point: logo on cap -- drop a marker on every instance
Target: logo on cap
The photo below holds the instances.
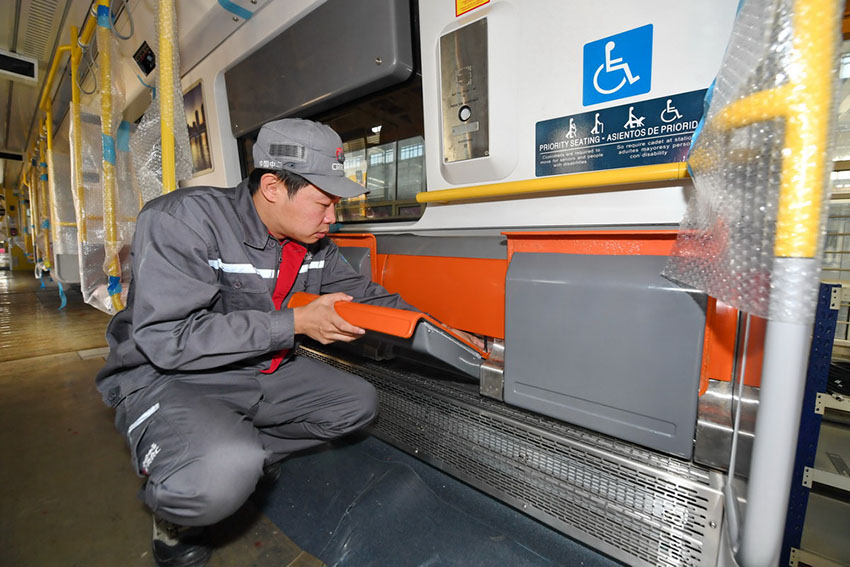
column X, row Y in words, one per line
column 340, row 157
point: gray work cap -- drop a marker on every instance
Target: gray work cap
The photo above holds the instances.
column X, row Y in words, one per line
column 310, row 149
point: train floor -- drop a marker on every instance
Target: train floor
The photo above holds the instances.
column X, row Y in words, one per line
column 68, row 495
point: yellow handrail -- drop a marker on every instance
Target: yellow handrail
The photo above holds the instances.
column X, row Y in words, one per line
column 804, row 102
column 30, row 185
column 44, row 202
column 48, row 125
column 76, row 126
column 48, row 85
column 166, row 94
column 51, row 180
column 624, row 176
column 107, row 127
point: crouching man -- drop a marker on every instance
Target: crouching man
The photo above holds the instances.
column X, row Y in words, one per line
column 201, row 374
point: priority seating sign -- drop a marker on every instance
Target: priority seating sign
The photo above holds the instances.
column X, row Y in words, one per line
column 617, row 66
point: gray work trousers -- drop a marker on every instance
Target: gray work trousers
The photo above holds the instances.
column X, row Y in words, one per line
column 202, row 439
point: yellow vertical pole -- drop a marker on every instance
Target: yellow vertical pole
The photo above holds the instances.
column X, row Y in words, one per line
column 51, row 177
column 107, row 127
column 165, row 92
column 33, row 210
column 809, row 111
column 44, row 203
column 76, row 127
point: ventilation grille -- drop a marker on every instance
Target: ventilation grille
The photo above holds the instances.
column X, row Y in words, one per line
column 39, row 23
column 635, row 505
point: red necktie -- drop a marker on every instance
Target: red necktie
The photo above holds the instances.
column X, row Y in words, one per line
column 292, row 256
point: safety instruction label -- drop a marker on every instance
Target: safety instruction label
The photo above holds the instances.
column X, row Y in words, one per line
column 642, row 133
column 464, row 6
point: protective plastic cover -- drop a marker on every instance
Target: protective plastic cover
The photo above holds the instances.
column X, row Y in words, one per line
column 90, row 215
column 146, row 142
column 726, row 240
column 63, row 219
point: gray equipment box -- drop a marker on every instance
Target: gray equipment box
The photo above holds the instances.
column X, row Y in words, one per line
column 606, row 343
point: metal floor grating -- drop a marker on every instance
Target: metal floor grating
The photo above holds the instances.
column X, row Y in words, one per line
column 641, row 507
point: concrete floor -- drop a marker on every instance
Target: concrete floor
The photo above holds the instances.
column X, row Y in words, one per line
column 67, row 490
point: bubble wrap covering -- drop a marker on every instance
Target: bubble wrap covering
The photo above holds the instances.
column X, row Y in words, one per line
column 146, row 143
column 726, row 240
column 64, row 237
column 89, row 208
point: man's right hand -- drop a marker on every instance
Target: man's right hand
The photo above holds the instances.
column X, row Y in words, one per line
column 320, row 321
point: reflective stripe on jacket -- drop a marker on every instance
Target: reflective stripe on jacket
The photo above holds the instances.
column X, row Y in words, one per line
column 204, row 269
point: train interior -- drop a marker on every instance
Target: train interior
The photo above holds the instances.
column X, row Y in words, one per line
column 639, row 207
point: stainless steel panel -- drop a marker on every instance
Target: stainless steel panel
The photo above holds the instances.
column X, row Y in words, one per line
column 714, row 427
column 492, row 372
column 464, row 92
column 639, row 506
column 434, row 341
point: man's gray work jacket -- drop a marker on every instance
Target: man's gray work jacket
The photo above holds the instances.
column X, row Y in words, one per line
column 200, row 298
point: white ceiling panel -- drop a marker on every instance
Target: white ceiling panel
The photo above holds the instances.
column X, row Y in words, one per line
column 38, row 28
column 7, row 23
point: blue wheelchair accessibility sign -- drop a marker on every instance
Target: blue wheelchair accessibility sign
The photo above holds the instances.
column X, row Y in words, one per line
column 618, row 66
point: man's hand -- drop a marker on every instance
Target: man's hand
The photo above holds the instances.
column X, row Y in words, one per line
column 474, row 339
column 320, row 321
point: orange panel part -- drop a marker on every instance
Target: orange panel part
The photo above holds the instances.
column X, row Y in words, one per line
column 396, row 322
column 755, row 351
column 386, row 320
column 720, row 339
column 607, row 242
column 360, row 240
column 466, row 293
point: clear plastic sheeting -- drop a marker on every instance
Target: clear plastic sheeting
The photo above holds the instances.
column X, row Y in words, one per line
column 90, row 217
column 146, row 143
column 64, row 223
column 728, row 244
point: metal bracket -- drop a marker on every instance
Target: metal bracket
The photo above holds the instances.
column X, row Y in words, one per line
column 832, row 401
column 811, row 475
column 835, row 298
column 799, row 556
column 492, row 372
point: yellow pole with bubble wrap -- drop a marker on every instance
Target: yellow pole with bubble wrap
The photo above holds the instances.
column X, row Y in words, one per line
column 107, row 126
column 167, row 40
column 804, row 103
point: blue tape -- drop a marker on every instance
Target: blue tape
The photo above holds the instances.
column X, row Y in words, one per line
column 153, row 89
column 34, row 162
column 62, row 297
column 122, row 137
column 114, row 286
column 42, row 164
column 103, row 16
column 698, row 130
column 236, row 9
column 45, row 223
column 108, row 148
column 43, row 177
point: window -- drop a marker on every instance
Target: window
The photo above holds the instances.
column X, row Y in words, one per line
column 382, row 136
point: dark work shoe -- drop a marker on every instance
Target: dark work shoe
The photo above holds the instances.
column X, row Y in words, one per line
column 271, row 473
column 179, row 546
